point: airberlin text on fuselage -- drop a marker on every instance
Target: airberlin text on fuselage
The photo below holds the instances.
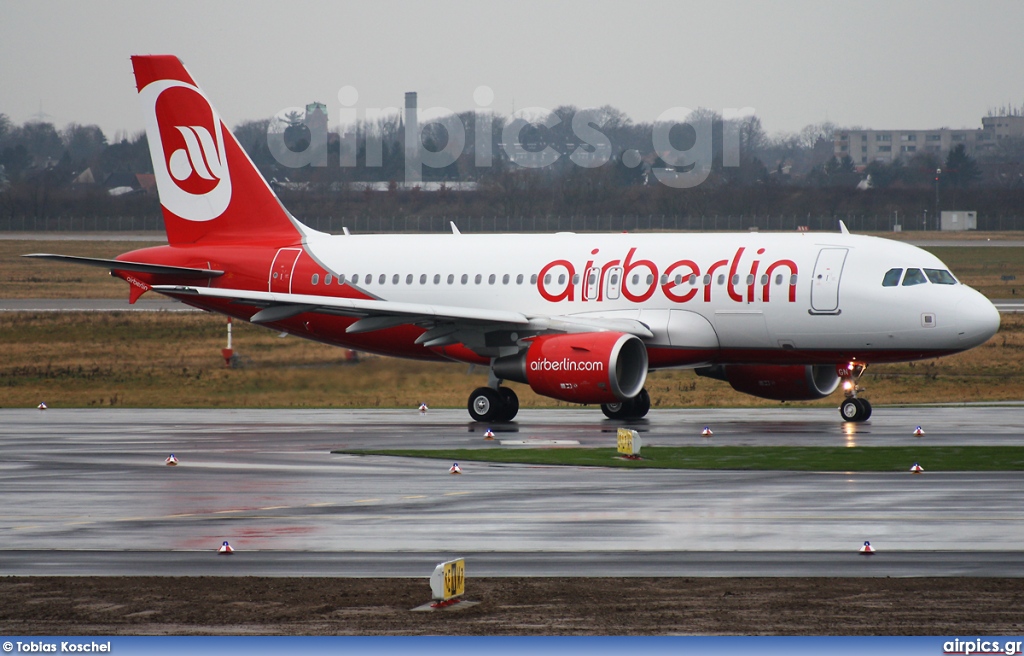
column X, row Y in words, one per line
column 741, row 284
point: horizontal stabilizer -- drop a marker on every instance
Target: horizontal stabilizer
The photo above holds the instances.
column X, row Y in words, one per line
column 141, row 267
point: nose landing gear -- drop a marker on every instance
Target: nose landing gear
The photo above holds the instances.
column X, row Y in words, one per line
column 853, row 408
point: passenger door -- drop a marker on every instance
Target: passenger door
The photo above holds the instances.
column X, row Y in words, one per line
column 825, row 281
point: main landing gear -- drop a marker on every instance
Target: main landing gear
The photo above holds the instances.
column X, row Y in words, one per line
column 633, row 408
column 853, row 408
column 488, row 404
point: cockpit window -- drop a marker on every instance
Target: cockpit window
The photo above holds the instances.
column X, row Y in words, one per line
column 914, row 277
column 892, row 277
column 940, row 276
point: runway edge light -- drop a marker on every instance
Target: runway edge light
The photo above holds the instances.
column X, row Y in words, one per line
column 918, row 432
column 917, row 469
column 488, row 434
column 225, row 549
column 423, row 407
column 42, row 406
column 455, row 469
column 867, row 549
column 171, row 461
column 707, row 432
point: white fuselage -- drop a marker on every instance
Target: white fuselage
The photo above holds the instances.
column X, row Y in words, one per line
column 745, row 291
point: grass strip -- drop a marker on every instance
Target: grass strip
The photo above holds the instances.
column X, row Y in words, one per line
column 773, row 458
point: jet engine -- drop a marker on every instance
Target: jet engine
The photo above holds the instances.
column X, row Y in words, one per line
column 777, row 382
column 604, row 367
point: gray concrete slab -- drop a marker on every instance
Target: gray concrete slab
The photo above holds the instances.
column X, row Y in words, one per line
column 94, row 481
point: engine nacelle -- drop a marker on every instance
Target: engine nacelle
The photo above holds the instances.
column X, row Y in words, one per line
column 777, row 382
column 605, row 367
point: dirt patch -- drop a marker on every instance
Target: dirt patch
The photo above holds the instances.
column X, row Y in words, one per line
column 535, row 606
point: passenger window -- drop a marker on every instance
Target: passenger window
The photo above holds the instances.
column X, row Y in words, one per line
column 533, row 279
column 477, row 279
column 465, row 278
column 368, row 279
column 914, row 277
column 778, row 278
column 423, row 278
column 451, row 278
column 341, row 278
column 636, row 279
column 664, row 279
column 316, row 278
column 394, row 279
column 792, row 279
column 327, row 279
column 679, row 279
column 940, row 276
column 383, row 279
column 490, row 279
column 437, row 278
column 693, row 278
column 707, row 279
column 650, row 279
column 519, row 279
column 764, row 280
column 736, row 279
column 504, row 279
column 575, row 278
column 750, row 279
column 408, row 279
column 561, row 279
column 547, row 279
column 892, row 277
column 721, row 279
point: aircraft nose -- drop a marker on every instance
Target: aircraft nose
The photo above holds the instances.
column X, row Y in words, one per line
column 976, row 319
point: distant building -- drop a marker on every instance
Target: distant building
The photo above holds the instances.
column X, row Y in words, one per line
column 866, row 146
column 996, row 128
column 958, row 220
column 316, row 117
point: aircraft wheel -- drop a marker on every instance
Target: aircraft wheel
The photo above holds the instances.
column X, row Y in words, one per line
column 615, row 410
column 867, row 409
column 485, row 404
column 852, row 410
column 510, row 403
column 641, row 404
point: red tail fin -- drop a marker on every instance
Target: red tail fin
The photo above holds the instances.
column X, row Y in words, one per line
column 210, row 191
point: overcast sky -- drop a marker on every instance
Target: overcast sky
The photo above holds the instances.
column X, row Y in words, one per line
column 879, row 64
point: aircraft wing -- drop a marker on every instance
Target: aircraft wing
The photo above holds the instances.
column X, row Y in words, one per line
column 141, row 267
column 446, row 324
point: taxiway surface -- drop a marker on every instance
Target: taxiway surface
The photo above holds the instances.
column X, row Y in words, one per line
column 94, row 482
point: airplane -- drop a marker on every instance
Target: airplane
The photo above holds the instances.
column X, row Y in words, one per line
column 581, row 318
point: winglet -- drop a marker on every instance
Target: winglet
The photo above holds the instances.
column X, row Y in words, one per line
column 455, row 229
column 842, row 228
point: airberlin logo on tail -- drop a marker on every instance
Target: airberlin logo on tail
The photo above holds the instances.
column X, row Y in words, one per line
column 199, row 157
column 186, row 141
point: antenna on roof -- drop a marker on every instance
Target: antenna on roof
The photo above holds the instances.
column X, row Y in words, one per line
column 455, row 229
column 842, row 228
